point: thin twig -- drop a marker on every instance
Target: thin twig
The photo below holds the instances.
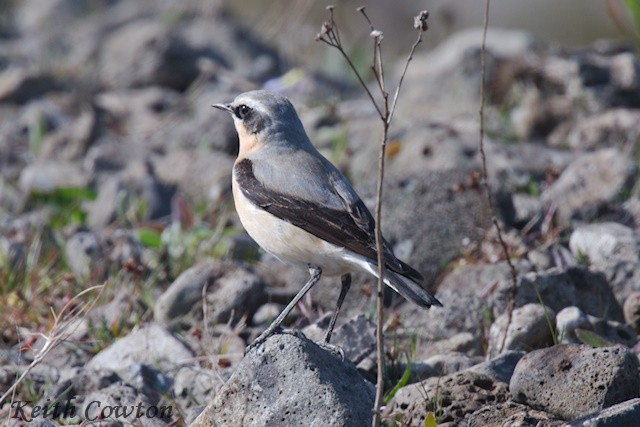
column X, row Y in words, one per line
column 330, row 29
column 485, row 181
column 328, row 36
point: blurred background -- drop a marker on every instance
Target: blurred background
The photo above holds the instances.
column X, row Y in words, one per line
column 292, row 24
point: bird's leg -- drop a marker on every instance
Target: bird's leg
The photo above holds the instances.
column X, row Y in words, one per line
column 346, row 284
column 315, row 273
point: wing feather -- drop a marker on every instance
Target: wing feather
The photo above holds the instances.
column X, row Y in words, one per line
column 352, row 228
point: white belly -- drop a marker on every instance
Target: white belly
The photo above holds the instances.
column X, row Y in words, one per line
column 292, row 244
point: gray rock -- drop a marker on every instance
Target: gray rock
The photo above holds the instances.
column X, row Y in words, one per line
column 193, row 386
column 625, row 414
column 464, row 287
column 592, row 180
column 135, row 192
column 571, row 380
column 567, row 321
column 19, row 85
column 142, row 111
column 527, row 208
column 46, row 177
column 266, row 313
column 230, row 291
column 440, row 323
column 102, row 405
column 501, row 367
column 631, row 309
column 291, row 380
column 435, row 219
column 356, row 338
column 200, row 174
column 145, row 52
column 152, row 345
column 510, row 414
column 124, row 251
column 575, row 286
column 609, row 128
column 109, row 154
column 447, row 70
column 531, row 327
column 605, row 243
column 439, row 365
column 85, row 257
column 463, row 342
column 450, row 397
column 71, row 141
column 571, row 320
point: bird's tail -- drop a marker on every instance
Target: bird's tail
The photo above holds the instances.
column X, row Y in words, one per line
column 405, row 287
column 410, row 289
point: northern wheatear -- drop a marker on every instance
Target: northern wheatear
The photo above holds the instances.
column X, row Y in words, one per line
column 297, row 206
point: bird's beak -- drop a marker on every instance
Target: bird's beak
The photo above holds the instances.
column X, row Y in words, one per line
column 224, row 107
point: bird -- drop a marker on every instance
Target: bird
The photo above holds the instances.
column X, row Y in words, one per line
column 301, row 209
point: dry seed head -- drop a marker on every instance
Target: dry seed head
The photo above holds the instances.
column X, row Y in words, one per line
column 420, row 21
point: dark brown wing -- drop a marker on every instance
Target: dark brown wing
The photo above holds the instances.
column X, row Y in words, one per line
column 352, row 228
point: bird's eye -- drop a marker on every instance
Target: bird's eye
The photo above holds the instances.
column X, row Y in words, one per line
column 242, row 111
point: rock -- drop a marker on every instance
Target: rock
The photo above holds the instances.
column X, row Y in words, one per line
column 605, row 243
column 19, row 85
column 199, row 129
column 589, row 182
column 307, row 385
column 463, row 342
column 71, row 141
column 356, row 338
column 450, row 398
column 531, row 327
column 510, row 414
column 85, row 257
column 631, row 309
column 438, row 366
column 135, row 192
column 448, row 69
column 143, row 112
column 571, row 321
column 468, row 287
column 439, row 323
column 499, row 368
column 147, row 380
column 266, row 313
column 152, row 345
column 217, row 38
column 194, row 385
column 610, row 128
column 434, row 218
column 46, row 177
column 527, row 208
column 230, row 291
column 620, row 415
column 571, row 380
column 145, row 52
column 200, row 174
column 109, row 155
column 104, row 404
column 124, row 251
column 575, row 286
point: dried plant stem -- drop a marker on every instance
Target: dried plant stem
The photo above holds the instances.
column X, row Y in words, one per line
column 59, row 332
column 485, row 180
column 330, row 35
